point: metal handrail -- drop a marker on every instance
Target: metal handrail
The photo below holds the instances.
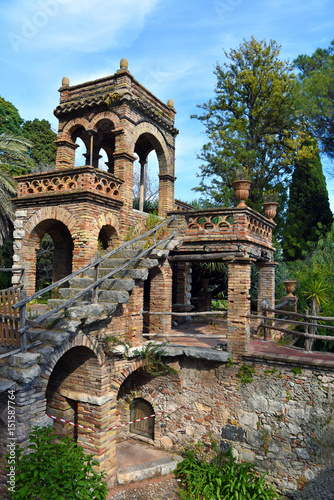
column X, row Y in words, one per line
column 22, row 303
column 89, row 266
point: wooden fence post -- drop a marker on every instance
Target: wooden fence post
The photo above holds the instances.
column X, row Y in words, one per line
column 307, row 340
column 23, row 334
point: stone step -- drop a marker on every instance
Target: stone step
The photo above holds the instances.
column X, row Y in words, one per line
column 82, row 308
column 129, row 253
column 134, row 274
column 114, row 263
column 122, row 297
column 108, row 284
column 7, row 385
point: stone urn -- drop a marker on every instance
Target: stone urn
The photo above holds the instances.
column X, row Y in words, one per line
column 289, row 287
column 270, row 209
column 241, row 189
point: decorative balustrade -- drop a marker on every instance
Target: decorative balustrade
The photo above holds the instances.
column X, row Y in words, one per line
column 226, row 223
column 79, row 178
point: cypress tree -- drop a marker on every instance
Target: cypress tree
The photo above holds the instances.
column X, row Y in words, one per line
column 308, row 214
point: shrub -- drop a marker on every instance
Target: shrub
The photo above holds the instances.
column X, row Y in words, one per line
column 219, row 478
column 57, row 470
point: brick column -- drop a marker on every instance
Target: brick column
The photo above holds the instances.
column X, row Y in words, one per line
column 239, row 280
column 161, row 298
column 266, row 284
column 102, row 442
column 166, row 193
column 65, row 153
column 134, row 317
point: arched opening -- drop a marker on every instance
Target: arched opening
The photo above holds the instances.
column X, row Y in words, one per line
column 69, row 380
column 54, row 252
column 140, row 409
column 80, row 152
column 151, row 162
column 107, row 236
column 146, row 184
column 103, row 160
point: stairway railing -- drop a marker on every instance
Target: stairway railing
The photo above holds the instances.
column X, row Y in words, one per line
column 94, row 286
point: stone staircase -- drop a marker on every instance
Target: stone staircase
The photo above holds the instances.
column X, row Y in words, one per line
column 83, row 314
column 112, row 292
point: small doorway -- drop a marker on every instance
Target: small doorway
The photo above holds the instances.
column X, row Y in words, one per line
column 140, row 409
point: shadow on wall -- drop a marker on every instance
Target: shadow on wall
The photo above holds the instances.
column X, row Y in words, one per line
column 320, row 488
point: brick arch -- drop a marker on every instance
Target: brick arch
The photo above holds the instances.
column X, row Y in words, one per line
column 79, row 340
column 57, row 213
column 108, row 219
column 132, row 367
column 104, row 115
column 145, row 127
column 72, row 125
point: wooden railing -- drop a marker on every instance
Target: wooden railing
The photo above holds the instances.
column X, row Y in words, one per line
column 308, row 322
column 94, row 286
column 9, row 317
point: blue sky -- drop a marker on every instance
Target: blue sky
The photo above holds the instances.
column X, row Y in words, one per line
column 172, row 47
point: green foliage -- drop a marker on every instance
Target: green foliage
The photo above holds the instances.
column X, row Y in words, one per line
column 56, row 469
column 13, row 161
column 250, row 124
column 6, row 257
column 308, row 214
column 39, row 132
column 153, row 363
column 149, row 205
column 315, row 277
column 314, row 95
column 245, row 373
column 221, row 478
column 10, row 119
column 296, row 370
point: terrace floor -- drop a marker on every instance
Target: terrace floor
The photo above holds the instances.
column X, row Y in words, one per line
column 183, row 334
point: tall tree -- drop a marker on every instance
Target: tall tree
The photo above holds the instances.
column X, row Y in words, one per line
column 10, row 120
column 250, row 123
column 308, row 214
column 314, row 95
column 13, row 160
column 39, row 132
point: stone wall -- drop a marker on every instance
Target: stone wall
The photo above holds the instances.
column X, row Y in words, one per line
column 282, row 421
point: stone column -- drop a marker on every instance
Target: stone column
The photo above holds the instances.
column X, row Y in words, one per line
column 142, row 188
column 266, row 284
column 239, row 280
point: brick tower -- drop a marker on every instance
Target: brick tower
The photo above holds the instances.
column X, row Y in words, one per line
column 80, row 206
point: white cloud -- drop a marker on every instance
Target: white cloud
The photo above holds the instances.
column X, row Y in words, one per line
column 79, row 25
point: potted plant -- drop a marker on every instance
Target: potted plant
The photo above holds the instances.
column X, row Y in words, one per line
column 270, row 204
column 242, row 185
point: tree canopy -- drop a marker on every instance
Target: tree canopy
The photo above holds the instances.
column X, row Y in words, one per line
column 314, row 95
column 251, row 123
column 44, row 149
column 10, row 119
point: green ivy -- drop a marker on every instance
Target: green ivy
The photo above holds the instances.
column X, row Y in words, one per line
column 245, row 374
column 55, row 470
